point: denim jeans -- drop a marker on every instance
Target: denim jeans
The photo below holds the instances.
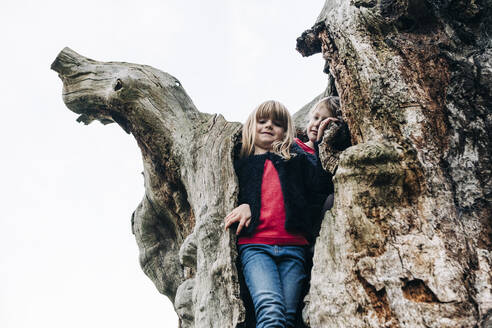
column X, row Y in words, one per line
column 275, row 277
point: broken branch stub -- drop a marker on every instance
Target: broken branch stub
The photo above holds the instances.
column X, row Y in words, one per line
column 188, row 174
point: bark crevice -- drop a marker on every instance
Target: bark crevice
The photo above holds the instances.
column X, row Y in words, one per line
column 408, row 240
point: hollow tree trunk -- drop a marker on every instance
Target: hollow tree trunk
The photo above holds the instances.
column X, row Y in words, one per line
column 408, row 241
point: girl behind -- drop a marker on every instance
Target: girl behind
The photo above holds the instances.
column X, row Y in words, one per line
column 319, row 117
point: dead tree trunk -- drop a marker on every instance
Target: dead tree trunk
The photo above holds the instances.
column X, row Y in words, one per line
column 189, row 181
column 408, row 241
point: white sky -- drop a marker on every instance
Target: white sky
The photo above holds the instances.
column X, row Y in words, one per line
column 67, row 255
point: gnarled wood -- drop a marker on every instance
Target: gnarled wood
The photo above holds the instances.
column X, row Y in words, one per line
column 408, row 241
column 189, row 180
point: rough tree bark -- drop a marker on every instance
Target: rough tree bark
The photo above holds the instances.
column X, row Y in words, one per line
column 189, row 181
column 407, row 243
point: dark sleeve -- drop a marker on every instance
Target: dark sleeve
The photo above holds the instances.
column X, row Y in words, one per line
column 246, row 195
column 242, row 197
column 237, row 170
column 317, row 180
column 319, row 188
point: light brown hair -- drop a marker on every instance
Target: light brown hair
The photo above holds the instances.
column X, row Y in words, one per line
column 331, row 103
column 275, row 111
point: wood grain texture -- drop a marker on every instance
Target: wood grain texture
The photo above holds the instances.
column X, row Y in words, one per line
column 189, row 181
column 408, row 241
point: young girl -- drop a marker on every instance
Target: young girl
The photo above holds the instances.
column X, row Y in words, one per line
column 273, row 221
column 319, row 116
column 322, row 115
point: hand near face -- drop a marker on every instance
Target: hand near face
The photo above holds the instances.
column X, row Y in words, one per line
column 241, row 214
column 318, row 121
column 323, row 125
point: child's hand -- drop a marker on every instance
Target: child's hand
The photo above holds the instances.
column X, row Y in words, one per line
column 241, row 214
column 323, row 125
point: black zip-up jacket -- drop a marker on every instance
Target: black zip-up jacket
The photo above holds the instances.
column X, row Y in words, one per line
column 304, row 186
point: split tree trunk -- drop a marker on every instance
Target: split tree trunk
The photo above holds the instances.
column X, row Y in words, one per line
column 190, row 182
column 408, row 241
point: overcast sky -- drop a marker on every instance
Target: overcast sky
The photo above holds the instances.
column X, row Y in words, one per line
column 67, row 255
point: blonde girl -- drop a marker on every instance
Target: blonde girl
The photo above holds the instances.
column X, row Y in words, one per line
column 320, row 116
column 272, row 221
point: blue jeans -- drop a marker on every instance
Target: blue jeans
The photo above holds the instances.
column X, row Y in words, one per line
column 275, row 277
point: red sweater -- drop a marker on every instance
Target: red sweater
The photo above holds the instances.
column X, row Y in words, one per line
column 271, row 230
column 305, row 147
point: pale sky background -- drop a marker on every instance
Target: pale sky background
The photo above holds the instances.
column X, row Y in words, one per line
column 67, row 254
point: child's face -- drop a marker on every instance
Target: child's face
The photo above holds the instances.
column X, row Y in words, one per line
column 317, row 116
column 267, row 132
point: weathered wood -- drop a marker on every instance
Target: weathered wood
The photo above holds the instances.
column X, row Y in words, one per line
column 408, row 241
column 189, row 181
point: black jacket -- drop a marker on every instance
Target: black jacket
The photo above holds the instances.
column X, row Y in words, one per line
column 304, row 186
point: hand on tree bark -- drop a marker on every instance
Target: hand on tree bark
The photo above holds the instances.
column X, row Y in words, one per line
column 335, row 139
column 241, row 214
column 323, row 126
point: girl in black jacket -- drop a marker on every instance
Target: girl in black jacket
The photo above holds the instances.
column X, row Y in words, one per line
column 273, row 220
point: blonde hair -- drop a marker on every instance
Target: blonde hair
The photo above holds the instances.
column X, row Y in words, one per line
column 331, row 103
column 275, row 111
